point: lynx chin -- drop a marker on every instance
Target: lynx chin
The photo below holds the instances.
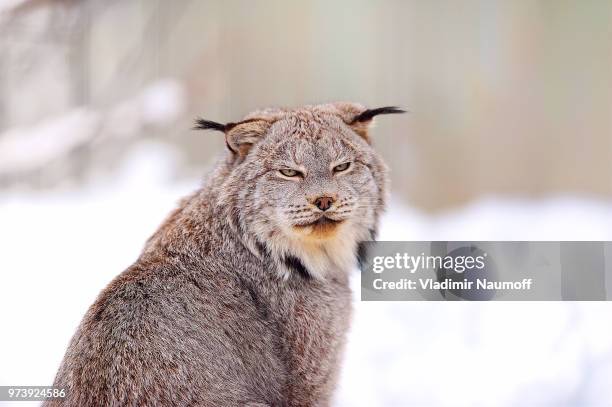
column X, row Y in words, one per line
column 241, row 297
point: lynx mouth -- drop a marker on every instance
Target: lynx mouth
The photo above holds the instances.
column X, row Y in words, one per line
column 320, row 227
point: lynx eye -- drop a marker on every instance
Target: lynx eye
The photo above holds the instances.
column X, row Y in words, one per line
column 287, row 172
column 342, row 167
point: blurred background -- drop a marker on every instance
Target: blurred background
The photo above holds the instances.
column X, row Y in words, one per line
column 509, row 137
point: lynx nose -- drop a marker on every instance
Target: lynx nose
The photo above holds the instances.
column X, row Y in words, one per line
column 324, row 202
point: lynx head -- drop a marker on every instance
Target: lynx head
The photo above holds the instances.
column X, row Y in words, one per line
column 304, row 185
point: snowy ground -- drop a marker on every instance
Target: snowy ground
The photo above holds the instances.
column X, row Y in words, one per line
column 58, row 250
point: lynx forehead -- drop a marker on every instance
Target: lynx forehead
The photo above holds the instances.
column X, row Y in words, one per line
column 306, row 181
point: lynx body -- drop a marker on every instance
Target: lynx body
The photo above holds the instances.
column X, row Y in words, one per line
column 242, row 297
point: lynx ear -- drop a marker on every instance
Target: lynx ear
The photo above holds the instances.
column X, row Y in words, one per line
column 240, row 136
column 359, row 118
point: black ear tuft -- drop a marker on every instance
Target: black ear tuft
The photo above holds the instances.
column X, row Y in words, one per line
column 369, row 114
column 202, row 124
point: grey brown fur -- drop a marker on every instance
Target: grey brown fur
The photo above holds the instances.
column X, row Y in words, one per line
column 241, row 297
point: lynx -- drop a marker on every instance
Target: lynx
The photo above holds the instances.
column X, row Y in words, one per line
column 241, row 297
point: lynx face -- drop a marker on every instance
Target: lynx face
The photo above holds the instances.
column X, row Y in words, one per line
column 306, row 183
column 319, row 182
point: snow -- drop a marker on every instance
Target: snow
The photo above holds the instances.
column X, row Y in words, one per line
column 59, row 249
column 36, row 146
column 32, row 147
column 163, row 102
